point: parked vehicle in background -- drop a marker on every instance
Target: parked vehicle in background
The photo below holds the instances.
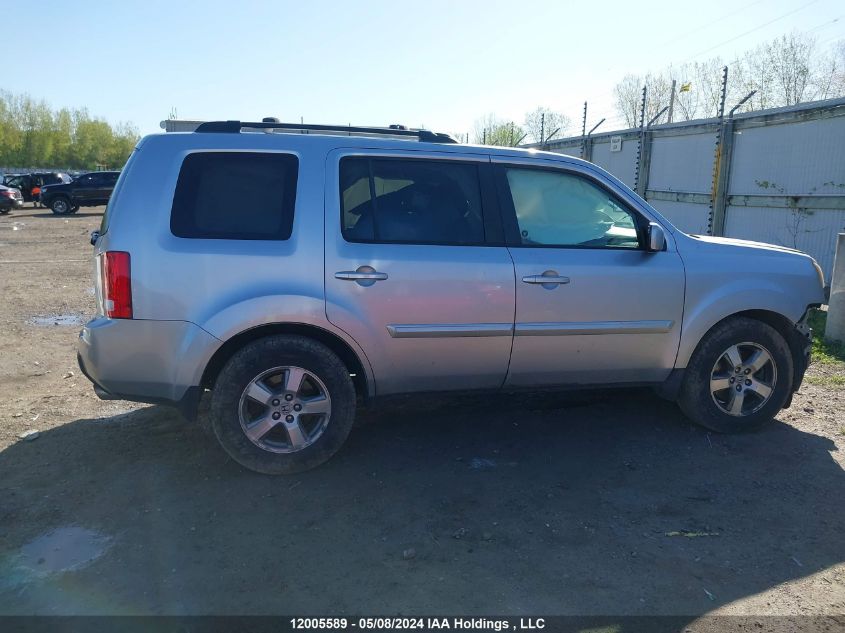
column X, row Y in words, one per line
column 88, row 190
column 10, row 198
column 35, row 181
column 365, row 266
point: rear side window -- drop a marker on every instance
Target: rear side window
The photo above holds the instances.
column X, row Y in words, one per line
column 235, row 195
column 411, row 201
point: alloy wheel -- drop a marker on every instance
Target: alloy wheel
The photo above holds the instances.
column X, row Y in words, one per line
column 743, row 379
column 285, row 409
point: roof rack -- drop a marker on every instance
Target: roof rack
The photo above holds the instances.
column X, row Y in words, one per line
column 234, row 127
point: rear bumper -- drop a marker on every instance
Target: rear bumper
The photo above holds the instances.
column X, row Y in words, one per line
column 160, row 362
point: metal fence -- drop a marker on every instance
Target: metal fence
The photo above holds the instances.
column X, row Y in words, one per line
column 774, row 176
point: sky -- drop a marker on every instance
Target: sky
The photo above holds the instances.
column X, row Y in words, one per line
column 431, row 63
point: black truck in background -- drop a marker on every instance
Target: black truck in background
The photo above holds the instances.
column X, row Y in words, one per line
column 86, row 190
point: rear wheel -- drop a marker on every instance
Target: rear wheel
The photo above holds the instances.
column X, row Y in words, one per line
column 282, row 405
column 738, row 378
column 61, row 206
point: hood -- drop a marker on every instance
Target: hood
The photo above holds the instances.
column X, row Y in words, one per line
column 729, row 241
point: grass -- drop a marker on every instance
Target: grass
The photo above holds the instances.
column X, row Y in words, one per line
column 833, row 380
column 825, row 352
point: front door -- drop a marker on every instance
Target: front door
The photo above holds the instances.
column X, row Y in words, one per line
column 592, row 305
column 411, row 273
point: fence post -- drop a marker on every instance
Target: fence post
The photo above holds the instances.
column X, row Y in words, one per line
column 638, row 167
column 835, row 328
column 587, row 153
column 645, row 155
column 723, row 176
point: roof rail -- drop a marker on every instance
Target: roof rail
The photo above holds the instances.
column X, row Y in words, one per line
column 234, row 127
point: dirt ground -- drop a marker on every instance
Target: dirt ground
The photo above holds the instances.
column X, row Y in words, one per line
column 584, row 503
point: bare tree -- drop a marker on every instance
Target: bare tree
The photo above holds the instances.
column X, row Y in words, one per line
column 789, row 70
column 791, row 59
column 544, row 124
column 785, row 71
column 627, row 94
column 839, row 75
column 827, row 81
column 698, row 88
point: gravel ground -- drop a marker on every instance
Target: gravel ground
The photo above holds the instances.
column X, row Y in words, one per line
column 580, row 503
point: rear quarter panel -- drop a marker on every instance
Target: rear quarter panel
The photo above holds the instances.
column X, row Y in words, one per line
column 224, row 286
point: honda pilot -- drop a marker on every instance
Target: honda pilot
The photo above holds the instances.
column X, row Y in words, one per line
column 290, row 271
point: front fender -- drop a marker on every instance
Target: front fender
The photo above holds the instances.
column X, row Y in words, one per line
column 726, row 299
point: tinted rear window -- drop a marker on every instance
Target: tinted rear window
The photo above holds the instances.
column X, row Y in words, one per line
column 235, row 195
column 411, row 201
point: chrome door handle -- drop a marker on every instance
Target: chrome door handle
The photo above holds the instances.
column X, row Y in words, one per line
column 350, row 275
column 364, row 275
column 549, row 278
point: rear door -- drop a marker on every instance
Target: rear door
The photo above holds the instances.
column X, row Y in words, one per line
column 416, row 269
column 109, row 180
column 592, row 305
column 85, row 188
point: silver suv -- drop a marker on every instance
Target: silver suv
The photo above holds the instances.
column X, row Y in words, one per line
column 295, row 272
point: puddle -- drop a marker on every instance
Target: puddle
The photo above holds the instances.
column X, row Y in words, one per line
column 58, row 319
column 63, row 550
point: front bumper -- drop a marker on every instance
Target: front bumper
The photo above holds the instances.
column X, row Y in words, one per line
column 160, row 362
column 800, row 343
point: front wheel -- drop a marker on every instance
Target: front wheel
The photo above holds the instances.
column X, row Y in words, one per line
column 738, row 378
column 61, row 206
column 283, row 405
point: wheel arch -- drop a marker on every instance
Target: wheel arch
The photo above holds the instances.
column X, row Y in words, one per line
column 783, row 325
column 361, row 378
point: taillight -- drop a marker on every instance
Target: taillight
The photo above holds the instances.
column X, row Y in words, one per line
column 117, row 285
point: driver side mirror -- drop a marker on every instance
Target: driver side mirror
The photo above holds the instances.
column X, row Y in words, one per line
column 656, row 238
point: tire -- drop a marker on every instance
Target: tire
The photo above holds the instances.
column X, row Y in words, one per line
column 61, row 206
column 4, row 211
column 737, row 401
column 267, row 367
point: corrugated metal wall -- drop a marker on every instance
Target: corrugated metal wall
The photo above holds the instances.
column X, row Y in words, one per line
column 786, row 174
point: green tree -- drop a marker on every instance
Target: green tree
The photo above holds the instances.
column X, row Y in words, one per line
column 491, row 130
column 32, row 134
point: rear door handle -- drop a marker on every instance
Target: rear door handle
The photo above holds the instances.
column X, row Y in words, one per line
column 548, row 279
column 364, row 275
